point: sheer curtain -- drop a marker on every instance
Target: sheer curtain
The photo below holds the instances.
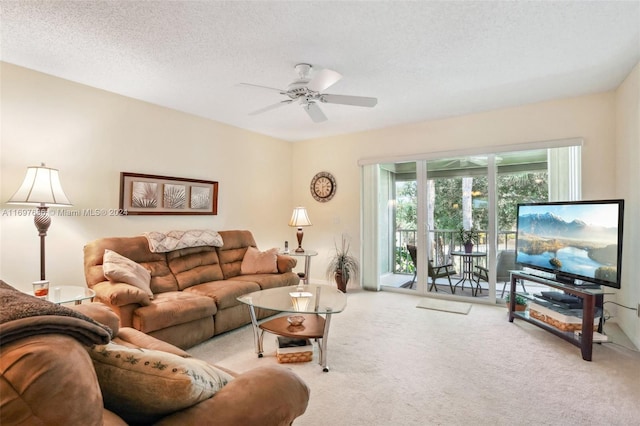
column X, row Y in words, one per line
column 370, row 256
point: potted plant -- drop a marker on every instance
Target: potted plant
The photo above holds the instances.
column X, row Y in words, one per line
column 521, row 302
column 468, row 237
column 343, row 265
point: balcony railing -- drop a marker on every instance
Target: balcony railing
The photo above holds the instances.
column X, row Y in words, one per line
column 443, row 242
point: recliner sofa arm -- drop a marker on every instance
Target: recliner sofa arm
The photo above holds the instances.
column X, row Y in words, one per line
column 286, row 263
column 265, row 396
column 100, row 313
column 120, row 294
column 133, row 338
column 126, row 336
column 48, row 379
column 122, row 299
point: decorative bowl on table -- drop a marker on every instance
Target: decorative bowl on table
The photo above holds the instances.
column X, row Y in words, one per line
column 295, row 320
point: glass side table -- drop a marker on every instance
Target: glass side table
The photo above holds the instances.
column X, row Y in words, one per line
column 69, row 294
column 307, row 254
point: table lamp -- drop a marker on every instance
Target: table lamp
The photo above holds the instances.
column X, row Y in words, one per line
column 299, row 219
column 41, row 186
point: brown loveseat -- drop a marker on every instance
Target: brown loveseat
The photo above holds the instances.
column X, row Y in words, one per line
column 48, row 377
column 195, row 289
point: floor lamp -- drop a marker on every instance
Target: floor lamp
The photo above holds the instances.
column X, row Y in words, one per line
column 299, row 218
column 41, row 187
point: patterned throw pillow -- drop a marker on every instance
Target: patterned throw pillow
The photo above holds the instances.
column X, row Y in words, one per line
column 143, row 385
column 260, row 262
column 118, row 268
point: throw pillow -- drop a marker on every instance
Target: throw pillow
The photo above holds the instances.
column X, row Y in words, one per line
column 143, row 385
column 260, row 262
column 118, row 268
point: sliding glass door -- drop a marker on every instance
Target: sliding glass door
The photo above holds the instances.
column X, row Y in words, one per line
column 421, row 209
column 398, row 190
column 456, row 206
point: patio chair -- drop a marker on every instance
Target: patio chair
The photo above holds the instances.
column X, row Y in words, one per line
column 505, row 262
column 434, row 272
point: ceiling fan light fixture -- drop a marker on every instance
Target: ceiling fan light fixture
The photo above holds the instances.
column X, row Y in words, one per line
column 303, row 70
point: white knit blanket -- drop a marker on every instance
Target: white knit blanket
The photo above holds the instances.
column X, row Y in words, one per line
column 162, row 242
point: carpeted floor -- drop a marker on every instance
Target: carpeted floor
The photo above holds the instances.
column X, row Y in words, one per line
column 444, row 305
column 393, row 364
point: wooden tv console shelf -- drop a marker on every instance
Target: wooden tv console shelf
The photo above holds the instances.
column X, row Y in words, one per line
column 590, row 299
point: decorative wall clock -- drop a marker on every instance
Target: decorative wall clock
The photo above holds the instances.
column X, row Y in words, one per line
column 323, row 186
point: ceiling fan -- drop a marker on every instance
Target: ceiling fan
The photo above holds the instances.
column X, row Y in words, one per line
column 306, row 91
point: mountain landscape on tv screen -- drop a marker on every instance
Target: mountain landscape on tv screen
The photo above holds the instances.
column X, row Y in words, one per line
column 573, row 246
column 552, row 226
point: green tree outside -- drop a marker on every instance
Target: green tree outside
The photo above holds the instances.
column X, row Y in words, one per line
column 512, row 189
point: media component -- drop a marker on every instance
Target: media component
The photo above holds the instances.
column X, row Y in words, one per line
column 580, row 242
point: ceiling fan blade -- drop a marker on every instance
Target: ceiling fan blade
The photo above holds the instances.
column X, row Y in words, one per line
column 270, row 107
column 315, row 112
column 323, row 79
column 262, row 87
column 361, row 101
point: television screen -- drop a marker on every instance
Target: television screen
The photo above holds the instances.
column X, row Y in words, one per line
column 579, row 241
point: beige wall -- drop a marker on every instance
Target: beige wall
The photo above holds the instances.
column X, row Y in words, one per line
column 589, row 117
column 628, row 176
column 91, row 136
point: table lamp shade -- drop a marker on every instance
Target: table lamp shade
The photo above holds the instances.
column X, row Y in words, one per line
column 299, row 218
column 41, row 185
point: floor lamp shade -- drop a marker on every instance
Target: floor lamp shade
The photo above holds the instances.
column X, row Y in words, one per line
column 41, row 187
column 299, row 218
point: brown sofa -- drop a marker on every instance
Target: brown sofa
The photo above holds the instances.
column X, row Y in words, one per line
column 195, row 289
column 53, row 379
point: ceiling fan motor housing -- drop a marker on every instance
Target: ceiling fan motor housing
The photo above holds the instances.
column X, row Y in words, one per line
column 309, row 93
column 298, row 87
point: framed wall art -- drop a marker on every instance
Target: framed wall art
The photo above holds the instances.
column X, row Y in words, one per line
column 142, row 194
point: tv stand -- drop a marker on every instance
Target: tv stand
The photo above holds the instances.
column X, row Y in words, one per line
column 590, row 299
column 564, row 279
column 588, row 286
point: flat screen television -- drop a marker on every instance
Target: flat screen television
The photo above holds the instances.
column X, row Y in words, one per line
column 578, row 241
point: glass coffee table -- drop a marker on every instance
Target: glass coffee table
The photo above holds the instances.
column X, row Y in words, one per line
column 314, row 303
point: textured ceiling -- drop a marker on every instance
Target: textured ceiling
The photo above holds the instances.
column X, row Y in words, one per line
column 422, row 60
